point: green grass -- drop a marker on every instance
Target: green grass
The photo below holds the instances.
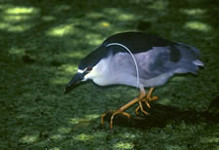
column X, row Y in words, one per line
column 41, row 43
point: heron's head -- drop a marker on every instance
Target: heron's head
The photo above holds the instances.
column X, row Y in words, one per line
column 77, row 79
column 86, row 69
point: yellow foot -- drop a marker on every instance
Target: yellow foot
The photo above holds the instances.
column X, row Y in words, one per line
column 143, row 97
column 140, row 107
column 113, row 115
column 120, row 111
column 146, row 98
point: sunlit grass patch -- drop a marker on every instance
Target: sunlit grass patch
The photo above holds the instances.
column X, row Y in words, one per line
column 15, row 28
column 212, row 139
column 84, row 137
column 16, row 18
column 55, row 148
column 199, row 26
column 19, row 28
column 61, row 30
column 16, row 51
column 57, row 137
column 17, row 14
column 158, row 5
column 21, row 10
column 124, row 145
column 88, row 137
column 105, row 24
column 90, row 117
column 195, row 11
column 64, row 130
column 29, row 139
column 128, row 135
column 13, row 15
column 69, row 68
column 119, row 15
column 65, row 70
column 94, row 39
column 13, row 18
column 164, row 101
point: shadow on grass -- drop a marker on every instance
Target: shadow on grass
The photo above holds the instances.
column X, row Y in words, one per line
column 161, row 115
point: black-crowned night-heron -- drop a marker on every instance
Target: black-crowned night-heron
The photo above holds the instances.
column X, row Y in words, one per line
column 139, row 60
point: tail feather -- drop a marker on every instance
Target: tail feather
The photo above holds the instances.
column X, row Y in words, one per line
column 187, row 68
column 198, row 63
column 190, row 59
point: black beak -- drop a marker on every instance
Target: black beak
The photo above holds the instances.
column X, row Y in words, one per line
column 77, row 78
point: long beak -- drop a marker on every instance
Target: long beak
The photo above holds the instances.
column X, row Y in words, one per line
column 77, row 78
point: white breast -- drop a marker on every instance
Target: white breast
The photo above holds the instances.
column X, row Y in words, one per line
column 114, row 70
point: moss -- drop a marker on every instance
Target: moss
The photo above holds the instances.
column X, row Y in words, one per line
column 41, row 46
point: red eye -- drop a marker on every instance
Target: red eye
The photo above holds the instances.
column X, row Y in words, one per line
column 89, row 69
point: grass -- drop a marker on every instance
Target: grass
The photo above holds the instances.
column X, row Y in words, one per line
column 43, row 41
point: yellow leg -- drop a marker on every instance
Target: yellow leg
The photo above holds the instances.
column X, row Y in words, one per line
column 136, row 110
column 143, row 97
column 149, row 95
column 142, row 109
column 146, row 98
column 123, row 113
column 120, row 111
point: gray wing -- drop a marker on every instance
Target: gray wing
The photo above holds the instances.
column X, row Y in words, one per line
column 178, row 58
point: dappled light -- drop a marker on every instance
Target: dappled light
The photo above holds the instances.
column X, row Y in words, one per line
column 195, row 11
column 105, row 24
column 69, row 68
column 42, row 43
column 198, row 26
column 61, row 30
column 14, row 28
column 29, row 139
column 128, row 135
column 123, row 145
column 210, row 139
column 64, row 130
column 94, row 39
column 117, row 14
column 158, row 5
column 84, row 137
column 55, row 148
column 14, row 18
column 16, row 51
column 20, row 10
column 89, row 137
column 87, row 118
column 165, row 101
column 57, row 137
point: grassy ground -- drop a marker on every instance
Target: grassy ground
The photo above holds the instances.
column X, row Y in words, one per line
column 41, row 43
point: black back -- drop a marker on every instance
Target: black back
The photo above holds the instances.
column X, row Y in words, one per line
column 136, row 41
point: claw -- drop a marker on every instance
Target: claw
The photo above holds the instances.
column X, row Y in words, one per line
column 146, row 98
column 119, row 111
column 136, row 111
column 142, row 109
column 143, row 97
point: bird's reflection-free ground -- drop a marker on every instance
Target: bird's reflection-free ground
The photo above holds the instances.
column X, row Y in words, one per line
column 43, row 41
